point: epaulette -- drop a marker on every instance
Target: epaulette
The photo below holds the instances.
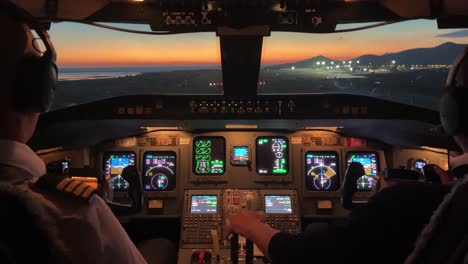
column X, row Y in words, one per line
column 73, row 188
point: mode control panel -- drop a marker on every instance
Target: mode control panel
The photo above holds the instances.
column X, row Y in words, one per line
column 206, row 211
column 242, row 105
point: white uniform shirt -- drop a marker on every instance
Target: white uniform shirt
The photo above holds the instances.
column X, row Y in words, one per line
column 90, row 231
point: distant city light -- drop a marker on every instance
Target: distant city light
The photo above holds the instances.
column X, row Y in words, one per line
column 350, row 62
column 332, row 62
column 318, row 62
column 393, row 62
column 351, row 69
column 323, row 63
column 365, row 69
column 358, row 62
column 337, row 66
column 344, row 62
column 292, row 68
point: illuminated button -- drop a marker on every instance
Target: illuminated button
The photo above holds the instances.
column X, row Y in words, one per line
column 235, row 200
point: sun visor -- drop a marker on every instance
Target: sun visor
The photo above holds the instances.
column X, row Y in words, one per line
column 66, row 9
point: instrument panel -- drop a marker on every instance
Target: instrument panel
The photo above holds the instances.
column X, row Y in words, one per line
column 312, row 163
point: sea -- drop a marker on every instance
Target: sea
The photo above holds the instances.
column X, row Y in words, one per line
column 79, row 74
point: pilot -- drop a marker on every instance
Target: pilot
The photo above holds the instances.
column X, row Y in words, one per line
column 86, row 225
column 384, row 230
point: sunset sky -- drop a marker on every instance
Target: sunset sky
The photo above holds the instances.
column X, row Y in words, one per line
column 86, row 46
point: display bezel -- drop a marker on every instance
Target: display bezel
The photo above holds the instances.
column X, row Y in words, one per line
column 241, row 163
column 105, row 157
column 194, row 195
column 159, row 152
column 193, row 156
column 278, row 195
column 257, row 157
column 338, row 169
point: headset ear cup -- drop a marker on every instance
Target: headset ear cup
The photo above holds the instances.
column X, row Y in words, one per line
column 449, row 114
column 35, row 84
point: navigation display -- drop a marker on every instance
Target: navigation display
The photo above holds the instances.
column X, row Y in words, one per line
column 209, row 155
column 114, row 163
column 278, row 204
column 419, row 164
column 204, row 204
column 159, row 169
column 272, row 156
column 240, row 155
column 371, row 166
column 322, row 172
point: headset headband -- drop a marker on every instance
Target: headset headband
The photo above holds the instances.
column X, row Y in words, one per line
column 23, row 15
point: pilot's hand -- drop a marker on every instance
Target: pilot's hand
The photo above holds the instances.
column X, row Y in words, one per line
column 244, row 223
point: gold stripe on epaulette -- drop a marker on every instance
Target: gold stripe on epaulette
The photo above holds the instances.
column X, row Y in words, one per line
column 80, row 189
column 63, row 184
column 87, row 193
column 70, row 187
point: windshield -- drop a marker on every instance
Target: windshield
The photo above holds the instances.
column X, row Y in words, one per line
column 406, row 63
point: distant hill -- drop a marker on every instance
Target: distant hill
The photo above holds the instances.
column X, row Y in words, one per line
column 443, row 54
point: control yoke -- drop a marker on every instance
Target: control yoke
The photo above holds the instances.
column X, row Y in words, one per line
column 135, row 192
column 353, row 173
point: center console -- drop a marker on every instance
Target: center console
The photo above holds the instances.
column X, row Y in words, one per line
column 205, row 214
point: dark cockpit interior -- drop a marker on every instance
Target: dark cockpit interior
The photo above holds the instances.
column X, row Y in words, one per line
column 306, row 141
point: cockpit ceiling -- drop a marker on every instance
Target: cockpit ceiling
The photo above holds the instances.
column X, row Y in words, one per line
column 272, row 12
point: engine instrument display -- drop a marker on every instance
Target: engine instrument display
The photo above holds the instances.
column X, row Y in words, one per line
column 240, row 155
column 204, row 204
column 278, row 204
column 272, row 156
column 159, row 169
column 371, row 166
column 322, row 173
column 209, row 155
column 113, row 164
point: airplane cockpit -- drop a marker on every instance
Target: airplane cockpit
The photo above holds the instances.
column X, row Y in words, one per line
column 183, row 112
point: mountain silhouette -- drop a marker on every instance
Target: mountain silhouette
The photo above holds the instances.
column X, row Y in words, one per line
column 444, row 54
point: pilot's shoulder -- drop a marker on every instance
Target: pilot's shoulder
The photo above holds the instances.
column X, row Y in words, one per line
column 68, row 187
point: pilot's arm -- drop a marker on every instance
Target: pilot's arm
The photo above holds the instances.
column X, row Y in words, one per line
column 383, row 231
column 116, row 246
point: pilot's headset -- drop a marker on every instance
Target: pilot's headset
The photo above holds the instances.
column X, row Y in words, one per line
column 454, row 102
column 36, row 77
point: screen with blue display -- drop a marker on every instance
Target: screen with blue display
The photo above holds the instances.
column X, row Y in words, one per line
column 278, row 204
column 369, row 161
column 204, row 204
column 240, row 155
column 114, row 163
